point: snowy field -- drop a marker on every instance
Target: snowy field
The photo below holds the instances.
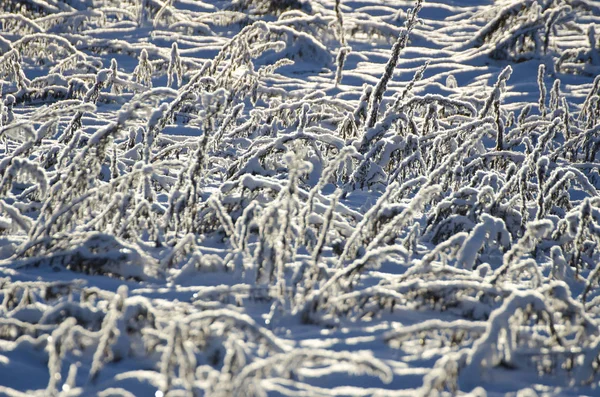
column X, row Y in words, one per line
column 299, row 198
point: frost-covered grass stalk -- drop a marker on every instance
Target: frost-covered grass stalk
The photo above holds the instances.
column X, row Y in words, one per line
column 344, row 48
column 399, row 45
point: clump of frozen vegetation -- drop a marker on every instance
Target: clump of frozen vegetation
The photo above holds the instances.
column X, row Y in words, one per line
column 245, row 198
column 521, row 30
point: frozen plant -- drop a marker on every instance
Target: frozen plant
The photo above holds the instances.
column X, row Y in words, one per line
column 144, row 69
column 175, row 67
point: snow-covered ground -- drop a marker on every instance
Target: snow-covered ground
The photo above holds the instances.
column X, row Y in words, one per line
column 299, row 198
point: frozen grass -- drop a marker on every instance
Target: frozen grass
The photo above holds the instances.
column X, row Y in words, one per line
column 292, row 197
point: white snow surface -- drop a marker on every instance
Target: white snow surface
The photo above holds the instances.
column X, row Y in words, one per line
column 299, row 198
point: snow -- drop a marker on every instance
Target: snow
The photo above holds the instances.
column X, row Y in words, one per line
column 299, row 197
